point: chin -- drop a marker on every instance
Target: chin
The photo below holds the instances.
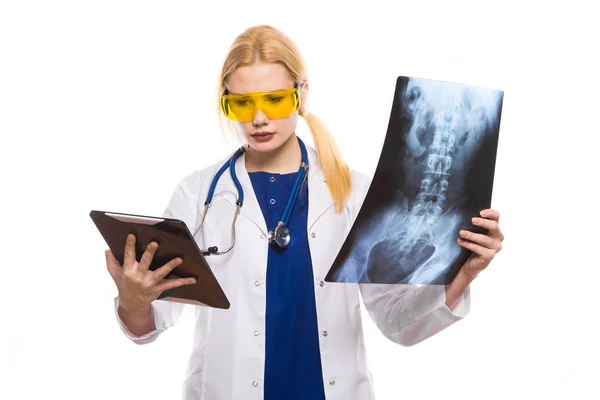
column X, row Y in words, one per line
column 266, row 145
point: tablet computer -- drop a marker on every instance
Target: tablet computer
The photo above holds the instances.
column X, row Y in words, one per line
column 174, row 240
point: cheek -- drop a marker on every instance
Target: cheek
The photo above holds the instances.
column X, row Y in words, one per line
column 287, row 126
column 245, row 127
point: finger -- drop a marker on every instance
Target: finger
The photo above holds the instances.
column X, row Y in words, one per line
column 129, row 258
column 167, row 284
column 492, row 226
column 479, row 238
column 148, row 255
column 484, row 253
column 112, row 264
column 163, row 271
column 490, row 214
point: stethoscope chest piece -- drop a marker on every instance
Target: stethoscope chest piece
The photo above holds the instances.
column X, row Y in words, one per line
column 280, row 237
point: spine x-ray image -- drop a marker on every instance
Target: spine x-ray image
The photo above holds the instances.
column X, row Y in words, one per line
column 434, row 174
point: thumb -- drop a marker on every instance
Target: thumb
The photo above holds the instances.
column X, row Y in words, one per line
column 112, row 264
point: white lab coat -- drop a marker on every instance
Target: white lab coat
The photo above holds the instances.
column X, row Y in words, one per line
column 228, row 355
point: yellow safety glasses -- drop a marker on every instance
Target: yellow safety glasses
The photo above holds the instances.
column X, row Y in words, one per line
column 277, row 104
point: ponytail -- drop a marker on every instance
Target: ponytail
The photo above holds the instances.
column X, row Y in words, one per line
column 336, row 171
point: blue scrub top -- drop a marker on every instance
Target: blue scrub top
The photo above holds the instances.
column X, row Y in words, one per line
column 292, row 360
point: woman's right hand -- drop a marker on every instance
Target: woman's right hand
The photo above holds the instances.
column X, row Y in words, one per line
column 138, row 286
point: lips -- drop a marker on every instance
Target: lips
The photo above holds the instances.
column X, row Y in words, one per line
column 262, row 134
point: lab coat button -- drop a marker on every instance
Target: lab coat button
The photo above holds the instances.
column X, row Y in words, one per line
column 262, row 236
column 332, row 383
column 255, row 384
column 312, row 235
column 325, row 333
column 255, row 333
column 256, row 283
column 321, row 283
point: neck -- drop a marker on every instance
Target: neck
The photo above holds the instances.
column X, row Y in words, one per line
column 284, row 160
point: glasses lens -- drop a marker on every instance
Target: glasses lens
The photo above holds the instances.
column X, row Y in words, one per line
column 277, row 104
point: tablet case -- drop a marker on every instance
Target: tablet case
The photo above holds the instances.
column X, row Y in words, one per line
column 174, row 240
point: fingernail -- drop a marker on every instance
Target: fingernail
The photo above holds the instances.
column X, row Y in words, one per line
column 155, row 239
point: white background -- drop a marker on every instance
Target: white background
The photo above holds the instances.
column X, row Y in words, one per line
column 107, row 104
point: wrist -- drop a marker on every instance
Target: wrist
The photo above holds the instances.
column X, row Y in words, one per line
column 467, row 277
column 134, row 311
column 457, row 287
column 138, row 320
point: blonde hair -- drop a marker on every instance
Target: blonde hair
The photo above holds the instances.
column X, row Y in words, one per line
column 265, row 44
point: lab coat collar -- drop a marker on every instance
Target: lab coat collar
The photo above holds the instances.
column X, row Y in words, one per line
column 318, row 193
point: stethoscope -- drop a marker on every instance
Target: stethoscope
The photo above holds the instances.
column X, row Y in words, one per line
column 280, row 236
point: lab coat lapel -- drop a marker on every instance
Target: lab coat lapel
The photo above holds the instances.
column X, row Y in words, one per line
column 250, row 208
column 319, row 198
column 320, row 202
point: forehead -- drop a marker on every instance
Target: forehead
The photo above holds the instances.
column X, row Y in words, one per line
column 259, row 78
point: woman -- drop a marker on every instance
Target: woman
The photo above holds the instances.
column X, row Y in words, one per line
column 288, row 334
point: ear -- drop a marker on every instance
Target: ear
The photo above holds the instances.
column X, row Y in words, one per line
column 303, row 95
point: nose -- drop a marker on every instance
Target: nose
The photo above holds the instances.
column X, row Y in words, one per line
column 260, row 118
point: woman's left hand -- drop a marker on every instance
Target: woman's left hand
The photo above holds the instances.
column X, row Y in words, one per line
column 484, row 247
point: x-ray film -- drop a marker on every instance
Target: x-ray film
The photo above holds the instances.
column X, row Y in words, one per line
column 435, row 173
